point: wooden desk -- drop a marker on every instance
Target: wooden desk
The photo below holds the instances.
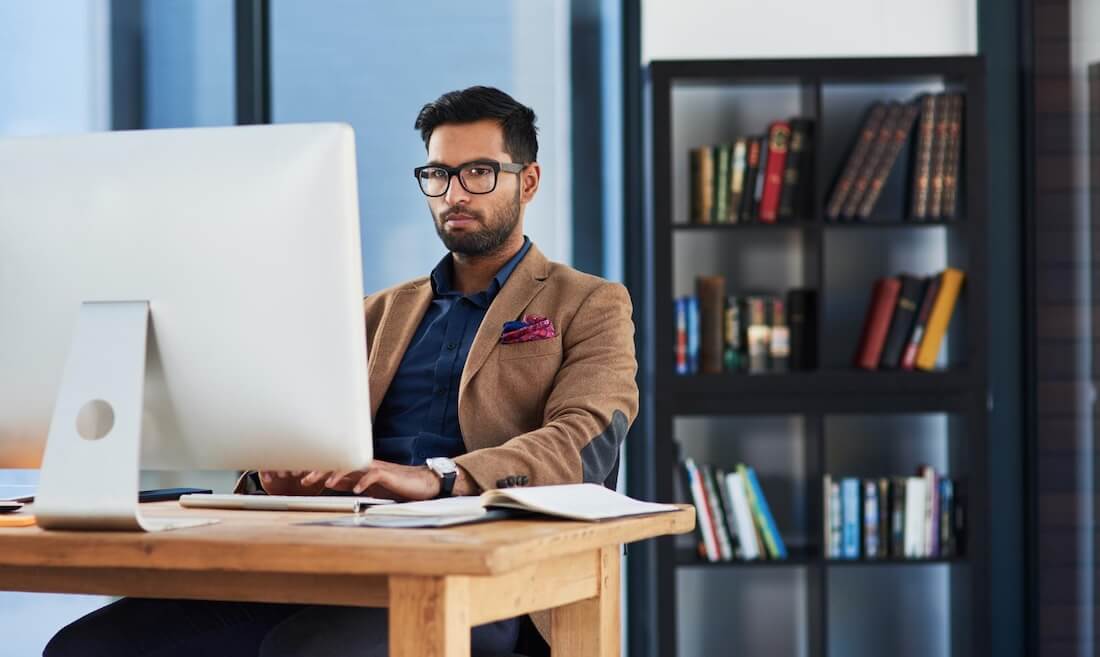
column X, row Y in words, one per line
column 437, row 583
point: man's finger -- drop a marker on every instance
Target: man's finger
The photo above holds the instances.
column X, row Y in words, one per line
column 313, row 477
column 368, row 479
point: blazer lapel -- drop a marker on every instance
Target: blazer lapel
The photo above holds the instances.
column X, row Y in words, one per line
column 398, row 325
column 521, row 287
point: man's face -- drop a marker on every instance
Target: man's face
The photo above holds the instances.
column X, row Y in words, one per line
column 474, row 224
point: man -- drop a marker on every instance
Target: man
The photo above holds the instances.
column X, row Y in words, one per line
column 501, row 368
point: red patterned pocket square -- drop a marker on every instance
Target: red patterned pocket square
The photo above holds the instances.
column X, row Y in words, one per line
column 532, row 327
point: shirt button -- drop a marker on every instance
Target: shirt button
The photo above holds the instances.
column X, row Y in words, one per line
column 451, row 346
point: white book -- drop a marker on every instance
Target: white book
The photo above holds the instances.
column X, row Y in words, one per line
column 826, row 518
column 746, row 532
column 572, row 501
column 914, row 517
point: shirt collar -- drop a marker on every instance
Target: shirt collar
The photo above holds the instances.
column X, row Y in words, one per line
column 443, row 283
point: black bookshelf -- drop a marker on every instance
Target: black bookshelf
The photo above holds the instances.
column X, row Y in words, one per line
column 823, row 404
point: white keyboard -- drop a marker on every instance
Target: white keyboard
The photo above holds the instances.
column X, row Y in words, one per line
column 336, row 503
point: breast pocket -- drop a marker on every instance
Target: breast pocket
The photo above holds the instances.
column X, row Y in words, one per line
column 532, row 349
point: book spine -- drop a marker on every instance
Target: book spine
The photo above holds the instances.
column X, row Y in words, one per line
column 959, row 519
column 681, row 336
column 870, row 166
column 877, row 322
column 850, row 517
column 883, row 517
column 939, row 158
column 793, row 195
column 752, row 166
column 758, row 334
column 693, row 335
column 686, row 469
column 914, row 517
column 922, row 162
column 737, row 180
column 711, row 291
column 746, row 533
column 717, row 514
column 733, row 355
column 953, row 156
column 939, row 319
column 889, row 159
column 776, row 547
column 859, row 153
column 779, row 137
column 779, row 350
column 729, row 517
column 901, row 326
column 897, row 517
column 703, row 512
column 928, row 299
column 721, row 182
column 836, row 520
column 870, row 519
column 931, row 512
column 826, row 517
column 761, row 178
column 947, row 500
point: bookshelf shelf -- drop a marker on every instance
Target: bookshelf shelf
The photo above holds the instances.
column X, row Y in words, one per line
column 796, row 426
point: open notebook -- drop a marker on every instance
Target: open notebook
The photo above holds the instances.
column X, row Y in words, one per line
column 572, row 501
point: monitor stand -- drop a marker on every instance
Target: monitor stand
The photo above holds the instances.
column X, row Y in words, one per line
column 90, row 469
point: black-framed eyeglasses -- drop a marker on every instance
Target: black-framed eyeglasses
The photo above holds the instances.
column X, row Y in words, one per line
column 478, row 177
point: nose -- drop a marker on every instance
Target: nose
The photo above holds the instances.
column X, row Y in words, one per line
column 456, row 193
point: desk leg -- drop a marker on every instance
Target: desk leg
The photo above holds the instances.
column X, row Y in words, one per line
column 591, row 628
column 429, row 616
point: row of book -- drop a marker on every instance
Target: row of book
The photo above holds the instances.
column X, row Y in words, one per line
column 733, row 520
column 756, row 334
column 921, row 517
column 933, row 168
column 764, row 178
column 906, row 320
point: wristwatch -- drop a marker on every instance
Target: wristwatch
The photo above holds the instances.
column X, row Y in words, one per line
column 447, row 471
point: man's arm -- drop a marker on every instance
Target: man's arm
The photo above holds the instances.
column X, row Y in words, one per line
column 591, row 405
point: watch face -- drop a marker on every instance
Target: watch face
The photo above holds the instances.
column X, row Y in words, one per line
column 441, row 465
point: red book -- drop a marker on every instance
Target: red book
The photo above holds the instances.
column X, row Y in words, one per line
column 877, row 323
column 779, row 135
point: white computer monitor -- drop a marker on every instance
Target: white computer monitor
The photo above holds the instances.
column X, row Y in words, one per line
column 196, row 293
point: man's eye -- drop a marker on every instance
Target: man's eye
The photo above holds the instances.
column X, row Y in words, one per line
column 434, row 173
column 478, row 171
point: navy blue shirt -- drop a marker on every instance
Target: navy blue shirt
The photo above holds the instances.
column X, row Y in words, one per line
column 418, row 417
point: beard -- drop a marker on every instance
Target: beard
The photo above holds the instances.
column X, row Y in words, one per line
column 494, row 232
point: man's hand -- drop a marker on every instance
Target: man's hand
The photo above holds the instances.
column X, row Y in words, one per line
column 288, row 482
column 381, row 479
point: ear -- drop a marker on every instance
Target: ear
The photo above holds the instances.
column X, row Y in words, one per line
column 529, row 182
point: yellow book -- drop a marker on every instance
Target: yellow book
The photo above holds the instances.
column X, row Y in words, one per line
column 939, row 319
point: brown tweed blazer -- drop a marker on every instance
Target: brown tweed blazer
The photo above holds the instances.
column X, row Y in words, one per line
column 554, row 410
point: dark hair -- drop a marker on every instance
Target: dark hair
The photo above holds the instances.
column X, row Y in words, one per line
column 478, row 103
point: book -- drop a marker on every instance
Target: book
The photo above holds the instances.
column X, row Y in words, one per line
column 883, row 517
column 915, row 500
column 888, row 160
column 850, row 518
column 729, row 517
column 876, row 323
column 871, row 519
column 922, row 159
column 746, row 531
column 862, row 147
column 584, row 502
column 928, row 299
column 704, row 518
column 680, row 348
column 737, row 180
column 733, row 354
column 940, row 317
column 870, row 166
column 721, row 183
column 693, row 335
column 711, row 291
column 752, row 167
column 717, row 514
column 939, row 159
column 762, row 512
column 897, row 517
column 779, row 135
column 795, row 196
column 952, row 156
column 826, row 516
column 901, row 325
column 702, row 182
column 802, row 319
column 761, row 178
column 931, row 511
column 835, row 520
column 947, row 503
column 758, row 335
column 779, row 349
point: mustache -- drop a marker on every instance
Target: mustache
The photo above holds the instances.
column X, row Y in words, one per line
column 447, row 214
